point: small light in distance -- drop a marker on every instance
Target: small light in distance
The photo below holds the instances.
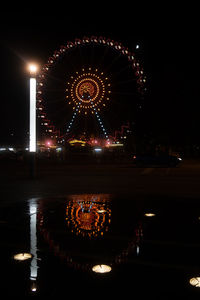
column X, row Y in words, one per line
column 97, row 149
column 101, row 269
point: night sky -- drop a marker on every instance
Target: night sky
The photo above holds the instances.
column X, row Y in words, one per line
column 168, row 50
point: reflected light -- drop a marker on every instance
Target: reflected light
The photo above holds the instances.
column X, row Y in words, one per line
column 101, row 269
column 33, row 237
column 100, row 211
column 22, row 256
column 88, row 215
column 149, row 215
column 195, row 281
column 33, row 287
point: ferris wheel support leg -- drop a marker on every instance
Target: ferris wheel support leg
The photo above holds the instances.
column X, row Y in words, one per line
column 73, row 117
column 100, row 121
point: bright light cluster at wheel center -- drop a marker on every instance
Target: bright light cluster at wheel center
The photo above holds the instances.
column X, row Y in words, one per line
column 88, row 91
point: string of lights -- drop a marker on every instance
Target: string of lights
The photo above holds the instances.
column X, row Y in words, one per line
column 100, row 121
column 73, row 117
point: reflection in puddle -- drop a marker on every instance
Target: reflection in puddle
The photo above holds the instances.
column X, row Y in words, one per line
column 101, row 269
column 88, row 215
column 33, row 243
column 22, row 256
column 149, row 215
column 88, row 239
column 195, row 281
column 82, row 237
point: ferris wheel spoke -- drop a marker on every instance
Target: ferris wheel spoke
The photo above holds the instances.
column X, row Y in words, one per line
column 92, row 55
column 123, row 93
column 123, row 82
column 81, row 57
column 101, row 61
column 113, row 62
column 73, row 117
column 55, row 78
column 122, row 70
column 55, row 100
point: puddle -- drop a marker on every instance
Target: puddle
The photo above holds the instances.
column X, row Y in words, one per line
column 99, row 241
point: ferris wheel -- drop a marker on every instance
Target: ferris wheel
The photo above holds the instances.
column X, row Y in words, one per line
column 85, row 85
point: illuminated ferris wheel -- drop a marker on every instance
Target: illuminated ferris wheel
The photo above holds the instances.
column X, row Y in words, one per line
column 77, row 87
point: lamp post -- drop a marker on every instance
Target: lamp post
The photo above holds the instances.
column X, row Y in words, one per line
column 32, row 118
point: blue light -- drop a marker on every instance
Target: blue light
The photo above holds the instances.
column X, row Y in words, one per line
column 97, row 149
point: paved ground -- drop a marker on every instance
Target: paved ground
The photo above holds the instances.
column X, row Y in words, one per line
column 170, row 242
column 57, row 179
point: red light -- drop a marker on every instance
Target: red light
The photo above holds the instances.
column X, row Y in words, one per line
column 48, row 143
column 134, row 157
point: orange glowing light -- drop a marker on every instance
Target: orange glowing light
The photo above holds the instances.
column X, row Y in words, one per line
column 87, row 91
column 88, row 215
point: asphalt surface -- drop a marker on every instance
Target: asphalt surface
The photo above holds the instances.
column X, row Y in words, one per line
column 59, row 179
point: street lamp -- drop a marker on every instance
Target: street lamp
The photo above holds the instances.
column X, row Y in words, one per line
column 33, row 69
column 32, row 117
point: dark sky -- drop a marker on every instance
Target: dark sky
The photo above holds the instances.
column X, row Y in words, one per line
column 169, row 51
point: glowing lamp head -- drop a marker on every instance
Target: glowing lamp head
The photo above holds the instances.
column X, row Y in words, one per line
column 33, row 69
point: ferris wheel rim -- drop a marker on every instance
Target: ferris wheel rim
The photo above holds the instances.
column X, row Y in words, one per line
column 63, row 50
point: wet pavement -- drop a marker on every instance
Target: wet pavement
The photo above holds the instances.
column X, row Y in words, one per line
column 149, row 244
